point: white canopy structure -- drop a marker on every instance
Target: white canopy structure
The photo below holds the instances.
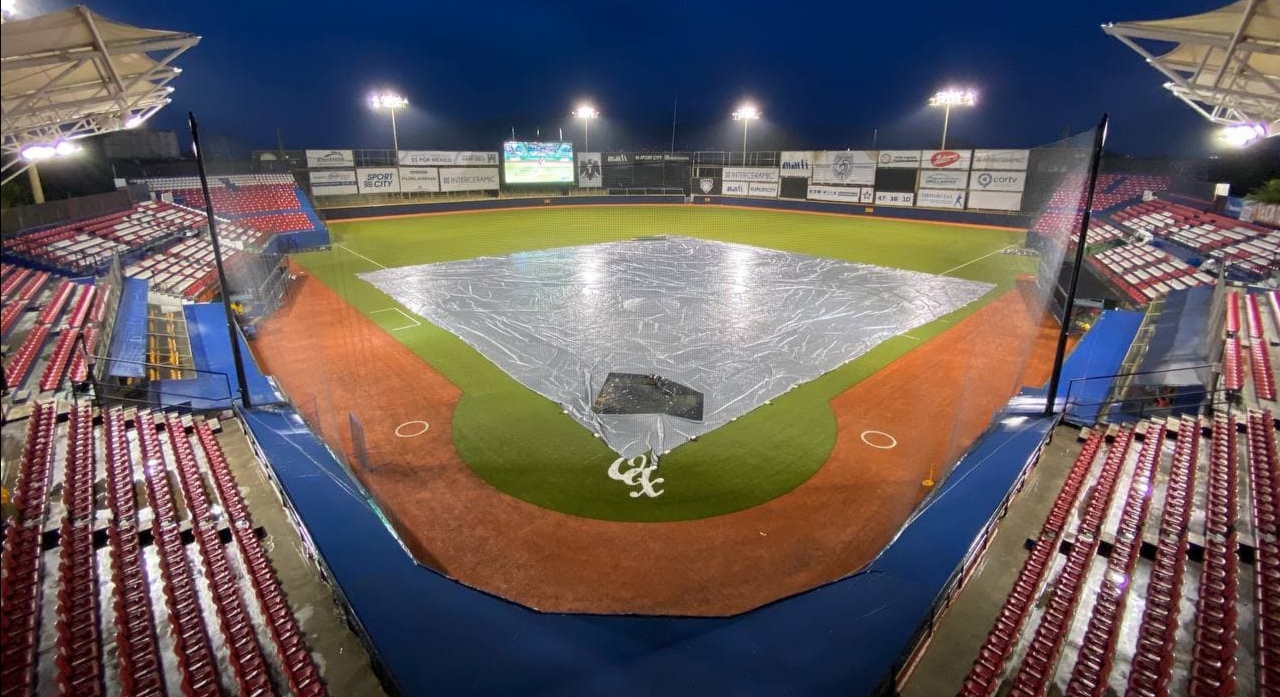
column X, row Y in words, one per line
column 74, row 73
column 1225, row 65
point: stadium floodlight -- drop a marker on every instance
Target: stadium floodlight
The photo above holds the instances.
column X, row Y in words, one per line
column 43, row 151
column 1241, row 135
column 390, row 101
column 951, row 97
column 586, row 112
column 8, row 8
column 746, row 113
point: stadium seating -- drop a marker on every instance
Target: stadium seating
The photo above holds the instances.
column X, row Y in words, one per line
column 86, row 246
column 207, row 596
column 1143, row 273
column 1064, row 612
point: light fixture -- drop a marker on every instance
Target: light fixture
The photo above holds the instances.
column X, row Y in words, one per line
column 1242, row 134
column 951, row 97
column 390, row 101
column 746, row 113
column 44, row 151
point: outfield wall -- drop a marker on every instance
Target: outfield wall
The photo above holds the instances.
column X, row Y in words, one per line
column 1015, row 221
column 356, row 212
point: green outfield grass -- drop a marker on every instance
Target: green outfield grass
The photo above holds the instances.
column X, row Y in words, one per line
column 521, row 443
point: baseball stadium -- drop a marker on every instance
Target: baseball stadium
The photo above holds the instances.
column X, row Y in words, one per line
column 549, row 418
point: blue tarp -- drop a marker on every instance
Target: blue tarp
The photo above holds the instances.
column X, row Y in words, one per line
column 127, row 351
column 1087, row 372
column 1179, row 351
column 211, row 351
column 436, row 636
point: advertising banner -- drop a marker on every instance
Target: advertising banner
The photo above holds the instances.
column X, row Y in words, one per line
column 706, row 186
column 617, row 158
column 943, row 179
column 750, row 174
column 330, row 158
column 763, row 189
column 641, row 157
column 1001, row 159
column 868, row 195
column 940, row 198
column 998, row 181
column 844, row 167
column 378, row 180
column 419, row 179
column 589, row 170
column 795, row 163
column 894, row 198
column 946, row 159
column 995, row 200
column 447, row 158
column 899, row 159
column 468, row 178
column 736, row 188
column 838, row 194
column 337, row 182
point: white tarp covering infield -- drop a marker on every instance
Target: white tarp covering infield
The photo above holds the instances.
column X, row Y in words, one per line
column 739, row 324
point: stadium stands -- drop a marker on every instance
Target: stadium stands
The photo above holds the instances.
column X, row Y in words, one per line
column 225, row 600
column 1143, row 273
column 1062, row 617
column 86, row 246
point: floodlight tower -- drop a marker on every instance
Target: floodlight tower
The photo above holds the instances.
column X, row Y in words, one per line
column 746, row 113
column 390, row 101
column 587, row 113
column 948, row 98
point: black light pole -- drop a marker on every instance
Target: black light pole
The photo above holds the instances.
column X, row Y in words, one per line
column 1099, row 137
column 217, row 261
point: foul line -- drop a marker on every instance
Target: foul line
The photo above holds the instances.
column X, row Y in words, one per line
column 360, row 255
column 416, row 323
column 984, row 256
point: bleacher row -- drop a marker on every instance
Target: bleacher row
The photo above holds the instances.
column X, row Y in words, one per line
column 1143, row 273
column 268, row 202
column 1061, row 213
column 85, row 246
column 1261, row 371
column 226, row 626
column 1079, row 600
column 1200, row 231
column 84, row 308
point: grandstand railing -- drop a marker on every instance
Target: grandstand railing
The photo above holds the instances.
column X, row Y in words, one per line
column 1138, row 406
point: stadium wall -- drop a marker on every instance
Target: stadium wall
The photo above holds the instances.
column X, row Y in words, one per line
column 1015, row 221
column 933, row 215
column 355, row 212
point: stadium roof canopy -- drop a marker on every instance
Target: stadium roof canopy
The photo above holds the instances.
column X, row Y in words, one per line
column 74, row 73
column 1226, row 62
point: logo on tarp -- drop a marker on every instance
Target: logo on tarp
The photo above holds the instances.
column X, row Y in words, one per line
column 637, row 472
column 589, row 169
column 706, row 185
column 944, row 158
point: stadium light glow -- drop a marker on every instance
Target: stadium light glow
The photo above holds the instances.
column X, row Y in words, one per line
column 586, row 112
column 134, row 122
column 8, row 9
column 746, row 113
column 1241, row 135
column 951, row 97
column 391, row 102
column 44, row 151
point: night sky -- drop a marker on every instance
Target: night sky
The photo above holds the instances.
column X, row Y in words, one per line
column 831, row 76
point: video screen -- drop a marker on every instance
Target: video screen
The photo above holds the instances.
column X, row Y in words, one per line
column 537, row 163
